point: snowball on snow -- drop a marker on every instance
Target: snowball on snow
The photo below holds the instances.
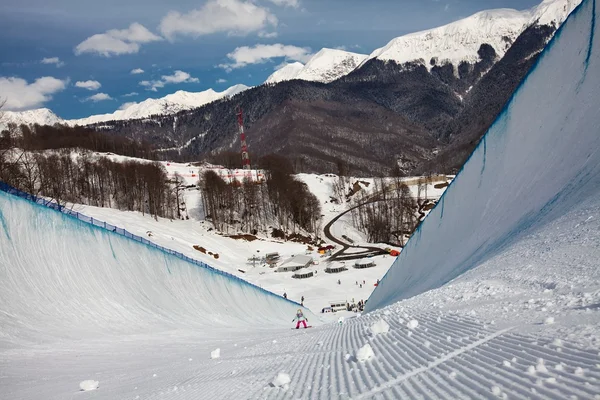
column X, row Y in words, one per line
column 496, row 390
column 215, row 353
column 88, row 385
column 412, row 324
column 380, row 327
column 549, row 321
column 540, row 367
column 281, row 380
column 365, row 353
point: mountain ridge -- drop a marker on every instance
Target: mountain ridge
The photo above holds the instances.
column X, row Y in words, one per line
column 454, row 43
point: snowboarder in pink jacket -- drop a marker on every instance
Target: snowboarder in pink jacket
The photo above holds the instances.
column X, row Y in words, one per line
column 301, row 318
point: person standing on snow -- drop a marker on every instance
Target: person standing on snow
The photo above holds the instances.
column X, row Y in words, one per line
column 301, row 318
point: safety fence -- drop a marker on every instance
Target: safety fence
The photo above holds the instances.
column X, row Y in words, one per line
column 120, row 231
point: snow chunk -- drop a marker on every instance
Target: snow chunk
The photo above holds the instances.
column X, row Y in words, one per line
column 88, row 385
column 506, row 363
column 412, row 324
column 365, row 353
column 579, row 371
column 496, row 391
column 549, row 321
column 282, row 380
column 380, row 327
column 540, row 367
column 215, row 353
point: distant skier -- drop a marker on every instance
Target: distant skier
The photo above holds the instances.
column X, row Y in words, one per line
column 302, row 299
column 284, row 295
column 301, row 318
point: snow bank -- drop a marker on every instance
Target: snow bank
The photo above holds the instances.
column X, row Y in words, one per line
column 537, row 162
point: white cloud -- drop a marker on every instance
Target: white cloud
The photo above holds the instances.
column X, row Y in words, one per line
column 131, row 94
column 89, row 85
column 177, row 77
column 286, row 3
column 53, row 60
column 137, row 71
column 261, row 53
column 236, row 17
column 99, row 97
column 115, row 41
column 125, row 106
column 21, row 95
column 221, row 80
column 267, row 35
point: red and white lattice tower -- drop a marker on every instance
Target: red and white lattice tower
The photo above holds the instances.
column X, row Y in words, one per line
column 245, row 156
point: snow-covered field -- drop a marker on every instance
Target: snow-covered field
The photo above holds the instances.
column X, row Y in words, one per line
column 85, row 313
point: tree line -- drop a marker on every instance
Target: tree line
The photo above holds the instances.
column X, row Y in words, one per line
column 280, row 200
column 29, row 162
column 389, row 215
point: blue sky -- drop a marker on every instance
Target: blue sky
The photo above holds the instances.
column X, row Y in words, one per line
column 76, row 57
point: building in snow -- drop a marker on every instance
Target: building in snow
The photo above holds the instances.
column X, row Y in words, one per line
column 272, row 259
column 364, row 263
column 335, row 269
column 303, row 274
column 295, row 263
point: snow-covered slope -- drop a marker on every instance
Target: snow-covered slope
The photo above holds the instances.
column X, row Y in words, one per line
column 325, row 66
column 460, row 41
column 97, row 282
column 330, row 64
column 515, row 184
column 170, row 104
column 288, row 72
column 41, row 116
column 553, row 11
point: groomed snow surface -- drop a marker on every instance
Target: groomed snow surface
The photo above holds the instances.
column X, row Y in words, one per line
column 83, row 308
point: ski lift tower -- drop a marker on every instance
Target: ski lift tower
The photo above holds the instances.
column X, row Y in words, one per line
column 245, row 156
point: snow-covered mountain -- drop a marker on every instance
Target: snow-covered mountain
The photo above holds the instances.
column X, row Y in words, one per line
column 460, row 40
column 41, row 116
column 325, row 66
column 453, row 43
column 288, row 72
column 170, row 104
